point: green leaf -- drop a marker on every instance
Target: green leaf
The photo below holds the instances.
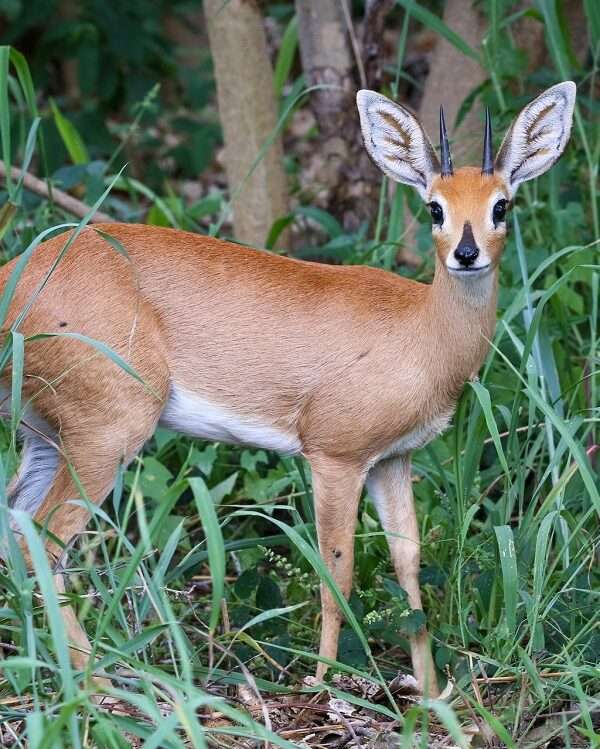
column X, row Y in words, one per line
column 23, row 662
column 327, row 222
column 268, row 595
column 252, row 458
column 486, row 404
column 285, row 56
column 350, row 649
column 214, row 542
column 556, row 41
column 139, row 642
column 102, row 348
column 223, row 489
column 204, row 460
column 135, row 186
column 24, row 75
column 273, row 613
column 592, row 13
column 433, row 22
column 70, row 137
column 395, row 590
column 7, row 213
column 447, row 717
column 495, row 725
column 113, row 242
column 154, row 478
column 412, row 621
column 541, row 554
column 45, row 580
column 277, row 228
column 510, row 578
column 18, row 354
column 246, row 583
column 28, row 155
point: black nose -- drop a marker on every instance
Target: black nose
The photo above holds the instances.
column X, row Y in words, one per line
column 466, row 254
column 467, row 251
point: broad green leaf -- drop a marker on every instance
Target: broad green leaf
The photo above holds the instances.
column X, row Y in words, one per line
column 70, row 137
column 510, row 578
column 214, row 542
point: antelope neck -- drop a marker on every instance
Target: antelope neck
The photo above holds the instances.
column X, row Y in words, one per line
column 461, row 318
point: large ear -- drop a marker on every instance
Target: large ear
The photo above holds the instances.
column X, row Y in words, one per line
column 396, row 141
column 538, row 136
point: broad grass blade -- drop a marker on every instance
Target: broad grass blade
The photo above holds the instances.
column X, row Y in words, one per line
column 214, row 542
column 510, row 578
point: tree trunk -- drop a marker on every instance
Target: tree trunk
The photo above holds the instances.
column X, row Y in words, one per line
column 342, row 177
column 248, row 116
column 372, row 41
column 452, row 77
column 327, row 61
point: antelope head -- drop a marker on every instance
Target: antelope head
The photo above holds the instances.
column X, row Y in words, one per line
column 468, row 205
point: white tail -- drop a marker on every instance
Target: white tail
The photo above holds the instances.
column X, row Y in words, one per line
column 351, row 367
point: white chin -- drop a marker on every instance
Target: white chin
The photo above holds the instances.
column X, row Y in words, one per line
column 466, row 273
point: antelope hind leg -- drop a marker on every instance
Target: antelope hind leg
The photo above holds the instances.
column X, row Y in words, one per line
column 389, row 484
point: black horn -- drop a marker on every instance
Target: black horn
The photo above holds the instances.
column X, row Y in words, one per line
column 487, row 165
column 445, row 147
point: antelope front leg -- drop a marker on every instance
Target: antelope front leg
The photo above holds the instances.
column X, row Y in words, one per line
column 390, row 486
column 337, row 487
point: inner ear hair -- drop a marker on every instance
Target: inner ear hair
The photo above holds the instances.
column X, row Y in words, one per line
column 396, row 141
column 538, row 136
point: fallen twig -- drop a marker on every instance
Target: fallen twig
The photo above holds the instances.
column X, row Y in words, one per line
column 62, row 199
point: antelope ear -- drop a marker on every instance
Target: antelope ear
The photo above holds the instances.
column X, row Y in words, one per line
column 396, row 141
column 538, row 136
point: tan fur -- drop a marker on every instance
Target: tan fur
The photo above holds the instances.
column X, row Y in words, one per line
column 355, row 366
column 301, row 345
column 470, row 195
column 349, row 358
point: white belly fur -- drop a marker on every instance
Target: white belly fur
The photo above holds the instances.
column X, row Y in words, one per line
column 189, row 413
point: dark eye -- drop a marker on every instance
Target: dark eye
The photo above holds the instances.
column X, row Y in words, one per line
column 499, row 211
column 437, row 214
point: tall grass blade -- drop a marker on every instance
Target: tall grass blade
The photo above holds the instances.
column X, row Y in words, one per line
column 592, row 14
column 18, row 354
column 510, row 578
column 214, row 542
column 25, row 80
column 435, row 23
column 45, row 581
column 285, row 56
column 105, row 350
column 483, row 396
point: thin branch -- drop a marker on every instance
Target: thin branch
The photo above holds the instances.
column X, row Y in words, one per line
column 62, row 199
column 354, row 44
column 372, row 40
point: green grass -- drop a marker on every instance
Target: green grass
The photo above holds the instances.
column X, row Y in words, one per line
column 199, row 575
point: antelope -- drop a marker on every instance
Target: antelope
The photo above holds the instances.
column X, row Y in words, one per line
column 351, row 367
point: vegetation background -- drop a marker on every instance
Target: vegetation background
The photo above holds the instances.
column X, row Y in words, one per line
column 198, row 579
